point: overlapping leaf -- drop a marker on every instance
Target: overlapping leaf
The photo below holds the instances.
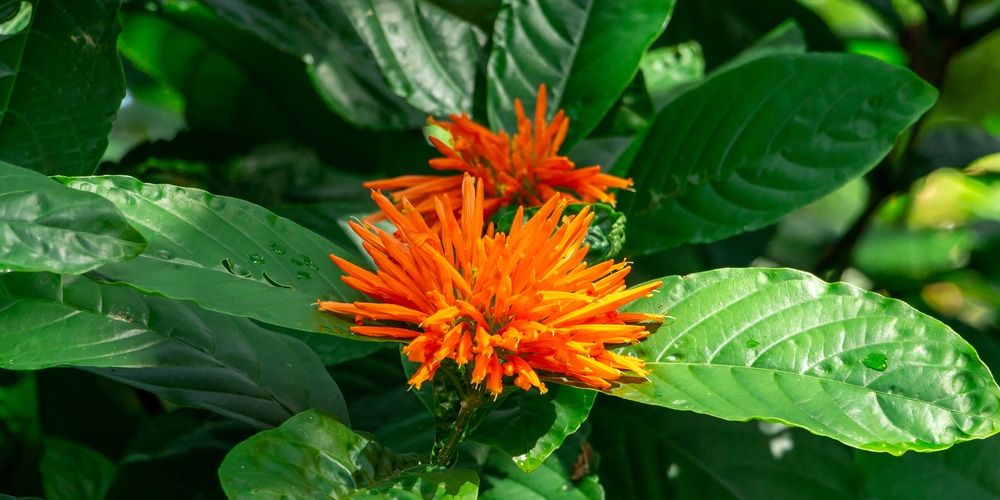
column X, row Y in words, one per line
column 321, row 458
column 585, row 51
column 185, row 354
column 45, row 226
column 71, row 471
column 61, row 84
column 781, row 345
column 343, row 69
column 751, row 144
column 226, row 254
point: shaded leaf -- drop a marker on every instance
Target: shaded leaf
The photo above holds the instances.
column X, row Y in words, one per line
column 226, row 255
column 71, row 471
column 528, row 426
column 649, row 452
column 783, row 346
column 343, row 69
column 61, row 84
column 321, row 458
column 20, row 433
column 186, row 355
column 554, row 479
column 580, row 49
column 965, row 471
column 767, row 137
column 971, row 87
column 45, row 226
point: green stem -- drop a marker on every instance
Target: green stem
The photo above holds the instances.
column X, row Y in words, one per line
column 471, row 401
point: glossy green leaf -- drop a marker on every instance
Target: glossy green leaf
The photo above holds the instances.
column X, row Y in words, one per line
column 528, row 426
column 783, row 346
column 585, row 51
column 45, row 226
column 555, row 479
column 184, row 354
column 61, row 84
column 649, row 452
column 71, row 471
column 751, row 144
column 427, row 55
column 321, row 458
column 226, row 255
column 343, row 69
column 965, row 471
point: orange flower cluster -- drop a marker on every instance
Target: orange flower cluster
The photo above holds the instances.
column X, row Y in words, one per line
column 525, row 171
column 509, row 304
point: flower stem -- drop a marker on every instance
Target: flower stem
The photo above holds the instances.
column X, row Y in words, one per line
column 470, row 402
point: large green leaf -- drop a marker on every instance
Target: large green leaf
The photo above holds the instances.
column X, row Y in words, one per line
column 783, row 346
column 649, row 452
column 342, row 67
column 966, row 471
column 186, row 355
column 751, row 144
column 312, row 455
column 71, row 471
column 61, row 83
column 585, row 51
column 225, row 254
column 528, row 426
column 427, row 55
column 45, row 226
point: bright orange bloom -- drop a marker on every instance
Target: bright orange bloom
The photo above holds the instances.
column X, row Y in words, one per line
column 525, row 171
column 510, row 304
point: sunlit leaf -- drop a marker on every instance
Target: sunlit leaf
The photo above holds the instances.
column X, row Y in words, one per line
column 783, row 346
column 563, row 476
column 226, row 254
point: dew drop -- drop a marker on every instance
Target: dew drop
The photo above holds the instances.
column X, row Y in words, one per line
column 297, row 262
column 751, row 343
column 302, row 275
column 676, row 356
column 163, row 254
column 306, row 261
column 876, row 361
column 657, row 394
column 257, row 258
column 276, row 248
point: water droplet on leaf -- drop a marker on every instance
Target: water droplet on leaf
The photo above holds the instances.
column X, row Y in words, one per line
column 876, row 361
column 302, row 275
column 751, row 343
column 163, row 254
column 257, row 258
column 276, row 248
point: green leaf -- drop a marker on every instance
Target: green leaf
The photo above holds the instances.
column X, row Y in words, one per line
column 529, row 426
column 554, row 480
column 20, row 432
column 744, row 22
column 61, row 83
column 71, row 471
column 785, row 38
column 45, row 226
column 427, row 55
column 751, row 144
column 649, row 452
column 962, row 472
column 887, row 252
column 226, row 255
column 321, row 458
column 667, row 68
column 972, row 87
column 585, row 51
column 186, row 355
column 783, row 346
column 343, row 69
column 232, row 83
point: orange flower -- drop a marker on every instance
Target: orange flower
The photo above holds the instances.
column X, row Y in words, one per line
column 509, row 304
column 525, row 171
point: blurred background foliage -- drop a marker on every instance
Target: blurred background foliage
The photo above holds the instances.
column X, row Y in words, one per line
column 240, row 107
